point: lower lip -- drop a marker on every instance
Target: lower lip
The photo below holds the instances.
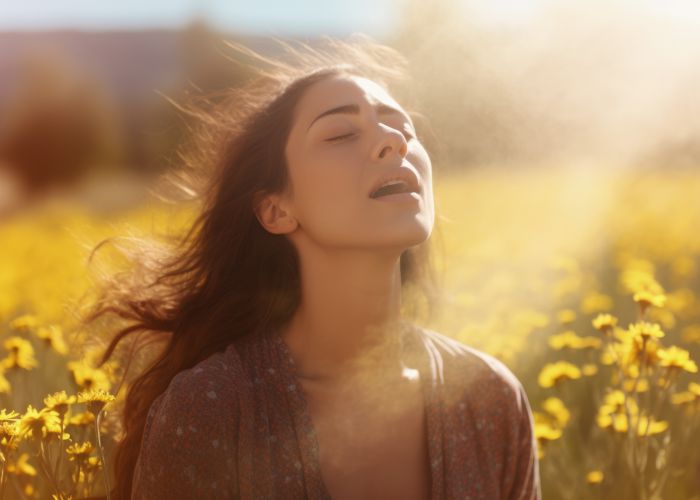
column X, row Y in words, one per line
column 399, row 197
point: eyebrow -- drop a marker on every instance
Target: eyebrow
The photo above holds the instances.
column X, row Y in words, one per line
column 354, row 109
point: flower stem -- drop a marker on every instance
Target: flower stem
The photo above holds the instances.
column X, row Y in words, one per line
column 47, row 469
column 105, row 471
column 60, row 453
column 19, row 489
column 3, row 479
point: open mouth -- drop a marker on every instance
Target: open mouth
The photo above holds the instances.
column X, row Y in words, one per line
column 392, row 188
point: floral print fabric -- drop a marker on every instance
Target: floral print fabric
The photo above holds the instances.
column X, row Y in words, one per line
column 236, row 425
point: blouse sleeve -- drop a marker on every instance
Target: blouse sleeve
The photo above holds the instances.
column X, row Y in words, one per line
column 525, row 474
column 188, row 443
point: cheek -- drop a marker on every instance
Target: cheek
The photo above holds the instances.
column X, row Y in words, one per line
column 327, row 183
column 422, row 162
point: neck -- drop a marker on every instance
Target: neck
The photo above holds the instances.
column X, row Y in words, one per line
column 349, row 321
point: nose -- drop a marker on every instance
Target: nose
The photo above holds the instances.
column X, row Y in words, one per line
column 391, row 140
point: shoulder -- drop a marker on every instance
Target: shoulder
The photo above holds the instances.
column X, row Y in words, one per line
column 200, row 395
column 210, row 385
column 470, row 364
column 473, row 375
column 190, row 432
column 483, row 398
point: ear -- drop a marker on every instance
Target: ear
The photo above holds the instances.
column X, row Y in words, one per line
column 270, row 210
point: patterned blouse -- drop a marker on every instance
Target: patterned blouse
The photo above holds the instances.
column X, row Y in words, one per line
column 236, row 425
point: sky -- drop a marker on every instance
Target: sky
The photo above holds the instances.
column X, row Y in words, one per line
column 265, row 17
column 275, row 17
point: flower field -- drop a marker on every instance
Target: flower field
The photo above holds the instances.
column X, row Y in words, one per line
column 585, row 283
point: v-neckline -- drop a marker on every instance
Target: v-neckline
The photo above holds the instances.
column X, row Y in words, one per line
column 306, row 432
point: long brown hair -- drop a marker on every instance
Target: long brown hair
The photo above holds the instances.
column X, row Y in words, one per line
column 227, row 276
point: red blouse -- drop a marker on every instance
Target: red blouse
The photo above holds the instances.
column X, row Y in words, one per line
column 236, row 425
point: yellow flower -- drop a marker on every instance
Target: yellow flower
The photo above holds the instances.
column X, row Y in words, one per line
column 9, row 429
column 24, row 323
column 566, row 316
column 629, row 353
column 631, row 371
column 683, row 398
column 556, row 408
column 80, row 452
column 691, row 334
column 94, row 464
column 690, row 396
column 21, row 354
column 589, row 342
column 53, row 337
column 11, row 443
column 619, row 423
column 683, row 266
column 645, row 330
column 642, row 385
column 528, row 319
column 571, row 340
column 565, row 263
column 596, row 302
column 83, row 419
column 96, row 399
column 88, row 377
column 5, row 387
column 676, row 358
column 616, row 399
column 545, row 431
column 8, row 417
column 639, row 276
column 589, row 369
column 611, row 353
column 21, row 467
column 654, row 427
column 59, row 402
column 664, row 317
column 612, row 413
column 622, row 335
column 604, row 322
column 646, row 298
column 54, row 434
column 553, row 373
column 611, row 421
column 638, row 351
column 594, row 477
column 37, row 422
column 681, row 300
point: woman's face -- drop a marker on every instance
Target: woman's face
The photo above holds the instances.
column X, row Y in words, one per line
column 347, row 135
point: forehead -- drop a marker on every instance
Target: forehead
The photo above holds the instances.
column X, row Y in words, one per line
column 339, row 90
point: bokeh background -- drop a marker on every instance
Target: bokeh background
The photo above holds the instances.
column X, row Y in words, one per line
column 565, row 140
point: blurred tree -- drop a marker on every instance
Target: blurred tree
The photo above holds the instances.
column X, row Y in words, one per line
column 59, row 124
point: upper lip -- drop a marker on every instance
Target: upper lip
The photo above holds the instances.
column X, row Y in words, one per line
column 404, row 174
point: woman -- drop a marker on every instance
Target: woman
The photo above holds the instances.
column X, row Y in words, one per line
column 289, row 367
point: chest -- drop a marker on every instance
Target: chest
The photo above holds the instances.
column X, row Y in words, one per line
column 373, row 447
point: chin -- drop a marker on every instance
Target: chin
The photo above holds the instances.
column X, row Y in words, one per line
column 415, row 238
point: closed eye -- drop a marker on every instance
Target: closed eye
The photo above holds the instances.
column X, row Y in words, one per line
column 408, row 135
column 340, row 137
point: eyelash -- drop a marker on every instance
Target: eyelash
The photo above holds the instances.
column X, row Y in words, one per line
column 334, row 139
